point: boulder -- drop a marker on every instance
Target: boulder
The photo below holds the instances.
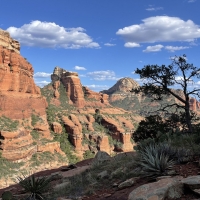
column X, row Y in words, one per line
column 127, row 183
column 56, row 127
column 164, row 188
column 193, row 182
column 102, row 156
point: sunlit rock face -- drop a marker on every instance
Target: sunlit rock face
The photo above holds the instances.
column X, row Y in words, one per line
column 19, row 95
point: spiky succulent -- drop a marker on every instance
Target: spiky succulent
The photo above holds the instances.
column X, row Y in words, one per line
column 153, row 161
column 34, row 186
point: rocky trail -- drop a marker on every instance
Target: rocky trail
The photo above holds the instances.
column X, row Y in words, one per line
column 111, row 191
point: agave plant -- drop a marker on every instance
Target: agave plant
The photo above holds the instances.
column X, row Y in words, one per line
column 34, row 186
column 153, row 162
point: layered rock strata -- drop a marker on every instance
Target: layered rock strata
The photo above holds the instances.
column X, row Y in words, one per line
column 9, row 43
column 20, row 98
column 17, row 145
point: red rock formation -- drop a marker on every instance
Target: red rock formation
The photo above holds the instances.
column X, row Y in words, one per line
column 56, row 127
column 17, row 145
column 43, row 128
column 103, row 98
column 74, row 89
column 126, row 141
column 51, row 147
column 7, row 42
column 17, row 84
column 75, row 133
column 103, row 144
column 56, row 85
column 193, row 104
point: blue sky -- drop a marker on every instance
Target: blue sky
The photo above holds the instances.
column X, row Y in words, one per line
column 102, row 40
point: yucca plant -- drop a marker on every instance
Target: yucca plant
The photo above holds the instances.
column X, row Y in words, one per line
column 34, row 186
column 154, row 162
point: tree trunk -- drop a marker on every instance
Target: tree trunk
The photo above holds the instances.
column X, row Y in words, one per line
column 188, row 116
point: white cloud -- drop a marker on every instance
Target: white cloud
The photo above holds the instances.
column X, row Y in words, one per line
column 191, row 1
column 109, row 44
column 102, row 75
column 160, row 29
column 42, row 75
column 41, row 83
column 131, row 44
column 153, row 48
column 79, row 68
column 98, row 87
column 173, row 48
column 51, row 35
column 154, row 8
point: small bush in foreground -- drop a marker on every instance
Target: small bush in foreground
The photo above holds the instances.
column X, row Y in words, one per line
column 154, row 161
column 34, row 186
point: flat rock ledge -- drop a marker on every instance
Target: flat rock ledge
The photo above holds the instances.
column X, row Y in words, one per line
column 165, row 188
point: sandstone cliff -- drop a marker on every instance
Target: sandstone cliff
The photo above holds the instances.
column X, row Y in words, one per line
column 21, row 100
column 78, row 110
column 7, row 42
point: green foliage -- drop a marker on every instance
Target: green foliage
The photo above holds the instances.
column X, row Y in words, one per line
column 35, row 135
column 97, row 116
column 51, row 113
column 6, row 124
column 160, row 80
column 66, row 147
column 7, row 195
column 154, row 160
column 88, row 154
column 35, row 119
column 149, row 128
column 34, row 186
column 7, row 167
column 63, row 97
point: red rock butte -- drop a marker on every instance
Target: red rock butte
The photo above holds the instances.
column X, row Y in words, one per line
column 19, row 95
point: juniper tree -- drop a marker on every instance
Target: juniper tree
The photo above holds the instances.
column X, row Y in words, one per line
column 159, row 81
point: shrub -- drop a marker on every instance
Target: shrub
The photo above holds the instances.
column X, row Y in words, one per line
column 34, row 186
column 154, row 160
column 149, row 128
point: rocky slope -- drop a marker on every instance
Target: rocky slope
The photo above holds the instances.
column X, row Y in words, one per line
column 63, row 122
column 24, row 130
column 120, row 95
column 91, row 122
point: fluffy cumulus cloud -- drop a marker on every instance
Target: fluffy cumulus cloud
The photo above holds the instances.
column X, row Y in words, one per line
column 160, row 29
column 102, row 75
column 42, row 75
column 175, row 48
column 41, row 83
column 98, row 87
column 109, row 44
column 131, row 44
column 79, row 68
column 154, row 48
column 51, row 35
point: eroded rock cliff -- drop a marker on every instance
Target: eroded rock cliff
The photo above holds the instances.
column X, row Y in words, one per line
column 21, row 100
